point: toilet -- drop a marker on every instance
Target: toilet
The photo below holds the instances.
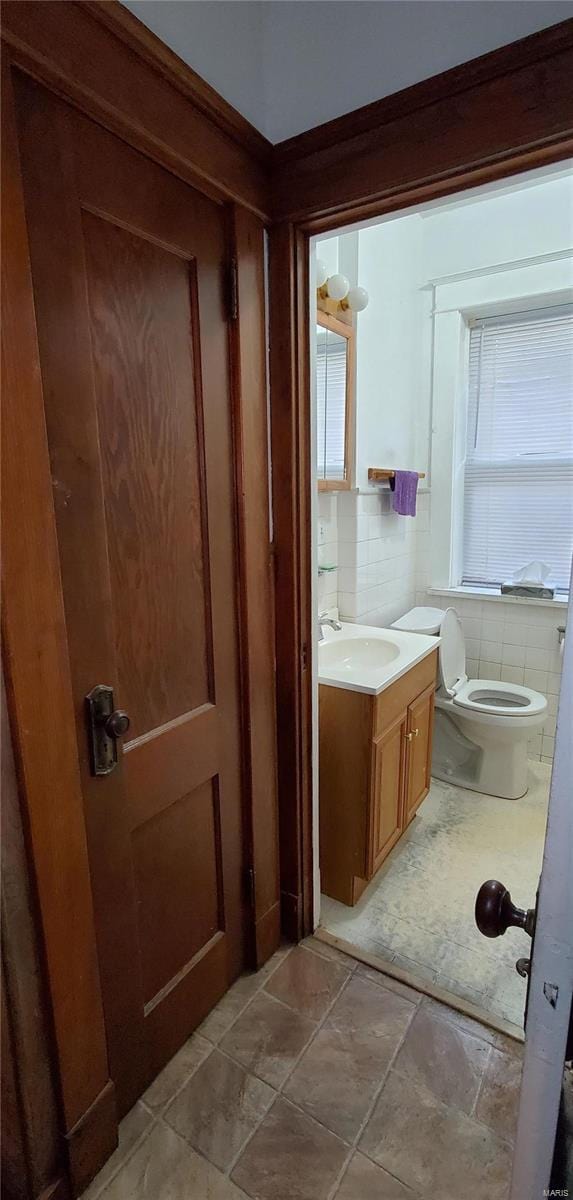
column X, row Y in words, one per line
column 481, row 725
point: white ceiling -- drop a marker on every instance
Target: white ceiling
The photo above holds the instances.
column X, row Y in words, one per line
column 288, row 65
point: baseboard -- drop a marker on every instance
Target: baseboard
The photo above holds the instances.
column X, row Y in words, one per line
column 267, row 934
column 92, row 1139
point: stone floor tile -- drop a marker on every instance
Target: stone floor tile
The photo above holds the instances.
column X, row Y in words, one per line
column 290, row 1157
column 436, row 1150
column 134, row 1124
column 444, row 1058
column 498, row 1100
column 235, row 1000
column 337, row 1077
column 268, row 1038
column 328, row 951
column 307, row 982
column 164, row 1167
column 388, row 982
column 218, row 1108
column 177, row 1072
column 364, row 1180
column 477, row 1028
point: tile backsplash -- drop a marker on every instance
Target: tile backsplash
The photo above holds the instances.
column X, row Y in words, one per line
column 383, row 563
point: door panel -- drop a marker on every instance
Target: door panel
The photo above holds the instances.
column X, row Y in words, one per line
column 140, row 299
column 420, row 726
column 387, row 792
column 128, row 266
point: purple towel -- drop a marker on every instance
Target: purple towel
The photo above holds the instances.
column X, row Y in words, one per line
column 404, row 486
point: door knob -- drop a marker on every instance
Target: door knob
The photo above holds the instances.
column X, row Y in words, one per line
column 105, row 725
column 117, row 724
column 495, row 911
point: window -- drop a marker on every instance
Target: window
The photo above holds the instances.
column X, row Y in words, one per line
column 519, row 452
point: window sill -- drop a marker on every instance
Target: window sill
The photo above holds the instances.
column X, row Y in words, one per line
column 470, row 593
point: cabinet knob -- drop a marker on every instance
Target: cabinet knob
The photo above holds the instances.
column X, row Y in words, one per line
column 408, row 736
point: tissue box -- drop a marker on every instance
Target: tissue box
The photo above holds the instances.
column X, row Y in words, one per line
column 534, row 591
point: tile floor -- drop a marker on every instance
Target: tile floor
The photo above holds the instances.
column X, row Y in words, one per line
column 419, row 910
column 319, row 1078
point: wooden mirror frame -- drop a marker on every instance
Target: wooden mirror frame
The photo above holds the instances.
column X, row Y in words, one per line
column 347, row 331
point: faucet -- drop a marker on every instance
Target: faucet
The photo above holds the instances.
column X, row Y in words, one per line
column 323, row 619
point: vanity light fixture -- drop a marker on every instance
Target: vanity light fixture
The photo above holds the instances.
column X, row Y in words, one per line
column 336, row 294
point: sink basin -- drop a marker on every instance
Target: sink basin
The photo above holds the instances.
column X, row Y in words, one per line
column 363, row 653
column 368, row 658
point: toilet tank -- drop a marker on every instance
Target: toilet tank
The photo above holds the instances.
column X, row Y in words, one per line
column 420, row 620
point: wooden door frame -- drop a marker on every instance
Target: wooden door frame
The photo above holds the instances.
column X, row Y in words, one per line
column 100, row 59
column 501, row 114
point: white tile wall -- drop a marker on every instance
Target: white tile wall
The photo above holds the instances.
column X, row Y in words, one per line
column 328, row 550
column 378, row 556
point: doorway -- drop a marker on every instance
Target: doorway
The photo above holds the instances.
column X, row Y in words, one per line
column 440, row 278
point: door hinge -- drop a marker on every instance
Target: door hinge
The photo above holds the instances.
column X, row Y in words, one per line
column 304, row 656
column 250, row 886
column 233, row 289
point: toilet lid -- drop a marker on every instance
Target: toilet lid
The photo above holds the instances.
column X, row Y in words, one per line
column 452, row 651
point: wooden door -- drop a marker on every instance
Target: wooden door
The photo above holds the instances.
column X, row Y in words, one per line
column 128, row 270
column 386, row 797
column 419, row 758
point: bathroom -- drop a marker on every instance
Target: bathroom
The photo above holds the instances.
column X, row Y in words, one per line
column 431, row 329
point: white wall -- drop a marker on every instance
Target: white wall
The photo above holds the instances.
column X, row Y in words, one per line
column 288, row 65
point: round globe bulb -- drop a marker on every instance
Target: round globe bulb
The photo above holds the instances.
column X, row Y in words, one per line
column 357, row 299
column 338, row 286
column 321, row 273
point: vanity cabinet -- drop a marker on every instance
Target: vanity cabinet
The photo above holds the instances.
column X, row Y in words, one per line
column 375, row 759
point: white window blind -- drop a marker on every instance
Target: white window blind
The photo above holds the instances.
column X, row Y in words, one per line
column 331, row 403
column 519, row 460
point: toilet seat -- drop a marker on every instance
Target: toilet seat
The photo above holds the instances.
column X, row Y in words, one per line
column 488, row 695
column 483, row 697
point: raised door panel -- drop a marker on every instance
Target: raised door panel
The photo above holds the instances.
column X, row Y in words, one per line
column 128, row 265
column 419, row 759
column 386, row 794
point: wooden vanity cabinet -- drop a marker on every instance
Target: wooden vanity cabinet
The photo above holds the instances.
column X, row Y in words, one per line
column 375, row 760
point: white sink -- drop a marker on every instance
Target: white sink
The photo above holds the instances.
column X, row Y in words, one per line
column 365, row 653
column 365, row 658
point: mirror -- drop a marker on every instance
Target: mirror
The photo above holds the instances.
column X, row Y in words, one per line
column 334, row 388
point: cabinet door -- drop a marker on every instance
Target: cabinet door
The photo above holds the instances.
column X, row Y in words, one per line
column 419, row 757
column 387, row 784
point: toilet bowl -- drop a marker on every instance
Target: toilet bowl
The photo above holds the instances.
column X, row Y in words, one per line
column 481, row 725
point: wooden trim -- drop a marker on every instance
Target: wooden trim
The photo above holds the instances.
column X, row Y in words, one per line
column 103, row 60
column 256, row 594
column 290, row 444
column 445, row 86
column 32, row 1154
column 202, row 96
column 39, row 687
column 327, row 321
column 500, row 114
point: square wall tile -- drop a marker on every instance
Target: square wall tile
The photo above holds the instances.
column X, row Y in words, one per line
column 489, row 670
column 512, row 674
column 513, row 656
column 535, row 679
column 490, row 651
